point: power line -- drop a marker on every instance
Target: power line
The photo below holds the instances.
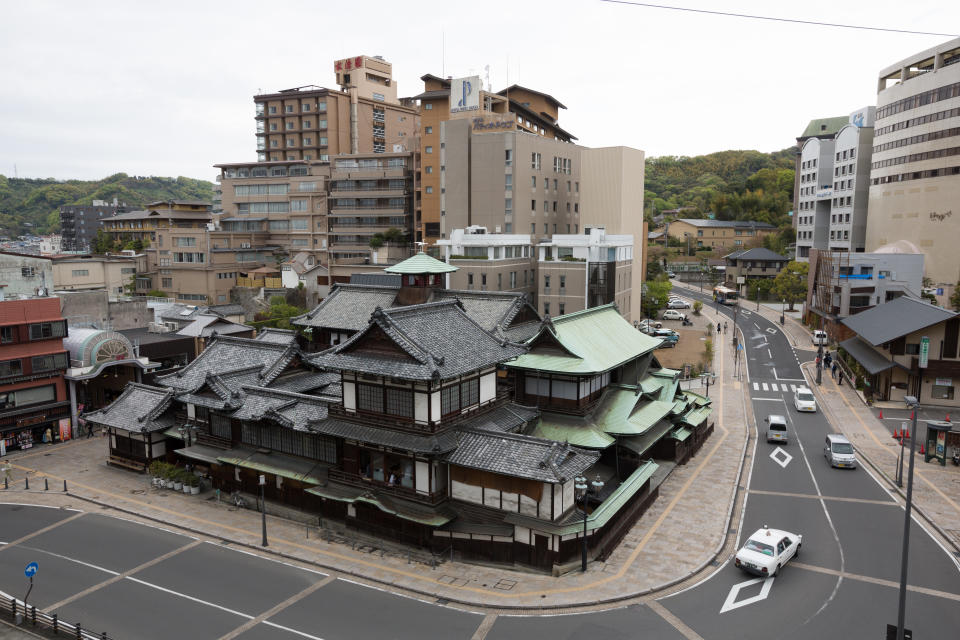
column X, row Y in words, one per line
column 771, row 19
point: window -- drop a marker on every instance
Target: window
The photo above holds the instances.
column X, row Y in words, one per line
column 483, row 279
column 27, row 272
column 50, row 362
column 508, row 205
column 298, row 224
column 533, row 206
column 533, row 230
column 450, row 400
column 428, row 130
column 546, row 282
column 77, row 273
column 563, row 282
column 546, row 308
column 6, row 334
column 554, row 206
column 429, row 189
column 273, row 109
column 11, row 368
column 32, row 395
column 289, row 108
column 428, row 149
column 561, row 306
column 184, row 242
column 289, row 126
column 508, row 181
column 299, row 204
column 369, row 398
column 534, row 160
column 513, row 279
column 470, row 280
column 399, row 402
column 508, row 157
column 43, row 330
column 429, row 169
column 428, row 106
column 166, row 283
column 941, row 392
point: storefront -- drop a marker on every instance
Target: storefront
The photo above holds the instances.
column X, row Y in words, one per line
column 46, row 423
column 942, row 441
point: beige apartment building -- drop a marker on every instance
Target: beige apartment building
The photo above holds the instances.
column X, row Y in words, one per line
column 720, row 234
column 577, row 272
column 515, row 108
column 491, row 261
column 314, row 123
column 143, row 225
column 112, row 273
column 915, row 169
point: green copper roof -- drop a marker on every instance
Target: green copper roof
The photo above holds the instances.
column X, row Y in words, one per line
column 695, row 417
column 640, row 444
column 419, row 264
column 596, row 340
column 825, row 126
column 278, row 464
column 680, row 433
column 579, row 435
column 696, row 398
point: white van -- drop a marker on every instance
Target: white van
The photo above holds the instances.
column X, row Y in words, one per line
column 776, row 429
column 820, row 337
column 839, row 451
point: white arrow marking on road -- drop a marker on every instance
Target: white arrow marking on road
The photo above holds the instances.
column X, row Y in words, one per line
column 776, row 457
column 745, row 312
column 731, row 601
column 773, row 331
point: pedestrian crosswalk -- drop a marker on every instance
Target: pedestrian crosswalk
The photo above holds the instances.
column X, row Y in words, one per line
column 786, row 387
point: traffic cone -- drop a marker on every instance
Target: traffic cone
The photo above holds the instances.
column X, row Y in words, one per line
column 880, row 417
column 947, row 419
column 896, row 434
column 922, row 450
column 906, row 433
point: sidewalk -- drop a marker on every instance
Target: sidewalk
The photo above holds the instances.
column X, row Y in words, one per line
column 648, row 560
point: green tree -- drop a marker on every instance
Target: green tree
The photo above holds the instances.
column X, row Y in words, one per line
column 156, row 293
column 656, row 296
column 102, row 242
column 955, row 298
column 791, row 283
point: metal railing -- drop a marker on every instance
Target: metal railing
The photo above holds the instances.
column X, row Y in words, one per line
column 22, row 613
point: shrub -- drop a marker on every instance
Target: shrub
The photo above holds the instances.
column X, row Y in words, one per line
column 697, row 307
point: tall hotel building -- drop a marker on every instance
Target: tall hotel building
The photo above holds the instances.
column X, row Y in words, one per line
column 915, row 170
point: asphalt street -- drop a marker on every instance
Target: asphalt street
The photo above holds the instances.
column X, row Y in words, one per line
column 134, row 581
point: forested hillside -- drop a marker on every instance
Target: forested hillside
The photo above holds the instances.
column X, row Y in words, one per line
column 731, row 185
column 28, row 201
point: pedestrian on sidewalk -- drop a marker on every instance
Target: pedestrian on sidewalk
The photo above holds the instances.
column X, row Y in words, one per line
column 718, row 328
column 840, row 378
column 833, row 370
column 724, row 327
column 89, row 430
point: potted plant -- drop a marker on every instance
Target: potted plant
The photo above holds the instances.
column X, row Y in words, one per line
column 177, row 479
column 156, row 472
column 168, row 474
column 194, row 484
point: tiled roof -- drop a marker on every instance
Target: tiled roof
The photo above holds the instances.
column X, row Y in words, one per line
column 420, row 263
column 278, row 336
column 205, row 325
column 225, row 353
column 348, row 307
column 433, row 443
column 308, row 381
column 139, row 407
column 896, row 318
column 495, row 311
column 435, row 340
column 506, row 418
column 521, row 456
column 759, row 253
column 292, row 410
column 590, row 341
column 736, row 224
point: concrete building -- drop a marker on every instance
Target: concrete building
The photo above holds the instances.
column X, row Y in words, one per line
column 114, row 273
column 24, row 276
column 841, row 284
column 314, row 123
column 830, row 209
column 751, row 264
column 33, row 395
column 578, row 271
column 915, row 173
column 719, row 234
column 143, row 225
column 491, row 261
column 102, row 310
column 79, row 223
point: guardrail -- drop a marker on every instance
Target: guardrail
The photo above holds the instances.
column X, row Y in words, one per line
column 23, row 614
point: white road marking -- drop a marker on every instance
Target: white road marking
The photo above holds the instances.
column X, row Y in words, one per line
column 784, row 387
column 731, row 601
column 757, row 326
column 769, row 355
column 756, row 386
column 765, row 388
column 779, row 453
column 768, row 399
column 793, row 387
column 191, row 598
column 773, row 331
column 299, row 633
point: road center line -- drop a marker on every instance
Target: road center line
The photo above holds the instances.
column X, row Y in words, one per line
column 123, row 575
column 880, row 581
column 249, row 624
column 674, row 621
column 186, row 597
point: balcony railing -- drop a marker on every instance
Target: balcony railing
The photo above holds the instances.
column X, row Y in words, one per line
column 404, row 492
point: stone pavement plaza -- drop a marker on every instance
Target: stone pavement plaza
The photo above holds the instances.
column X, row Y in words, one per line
column 676, row 542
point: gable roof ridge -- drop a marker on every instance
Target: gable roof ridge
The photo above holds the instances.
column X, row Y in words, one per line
column 280, row 393
column 290, row 351
column 389, row 326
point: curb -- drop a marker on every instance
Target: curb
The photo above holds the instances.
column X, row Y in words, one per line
column 947, row 539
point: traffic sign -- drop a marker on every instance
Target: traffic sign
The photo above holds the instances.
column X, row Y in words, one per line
column 924, row 352
column 31, row 569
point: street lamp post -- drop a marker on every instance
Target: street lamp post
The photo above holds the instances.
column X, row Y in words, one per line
column 580, row 490
column 707, row 377
column 913, row 404
column 783, row 311
column 263, row 508
column 820, row 364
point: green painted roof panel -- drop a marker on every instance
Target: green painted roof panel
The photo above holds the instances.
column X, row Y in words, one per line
column 825, row 126
column 599, row 339
column 421, row 263
column 578, row 435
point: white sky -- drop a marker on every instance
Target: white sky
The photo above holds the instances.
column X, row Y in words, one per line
column 92, row 88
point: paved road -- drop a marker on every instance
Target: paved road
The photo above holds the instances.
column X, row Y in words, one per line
column 134, row 581
column 850, row 525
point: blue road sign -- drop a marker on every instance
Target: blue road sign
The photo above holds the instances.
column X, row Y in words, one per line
column 31, row 569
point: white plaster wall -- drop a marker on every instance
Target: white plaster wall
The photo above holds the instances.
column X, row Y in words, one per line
column 557, row 501
column 491, row 498
column 422, row 475
column 511, row 502
column 435, row 406
column 420, row 407
column 488, row 387
column 545, row 498
column 568, row 495
column 528, row 506
column 349, row 396
column 191, row 411
column 466, row 492
column 521, row 534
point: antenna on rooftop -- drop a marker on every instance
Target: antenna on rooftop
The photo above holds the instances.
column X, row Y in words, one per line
column 420, row 245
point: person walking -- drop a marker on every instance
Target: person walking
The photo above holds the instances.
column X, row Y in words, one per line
column 724, row 327
column 840, row 378
column 718, row 328
column 833, row 370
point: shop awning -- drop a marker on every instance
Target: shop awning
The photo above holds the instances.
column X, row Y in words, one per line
column 278, row 464
column 388, row 504
column 863, row 353
column 201, row 453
